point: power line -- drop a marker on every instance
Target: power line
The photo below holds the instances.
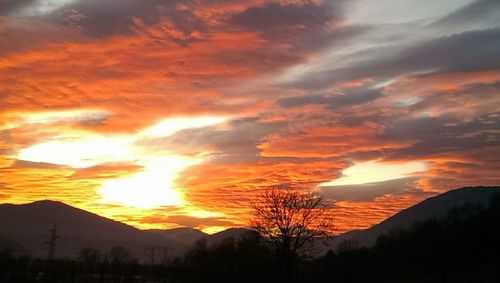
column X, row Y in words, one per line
column 52, row 242
column 156, row 253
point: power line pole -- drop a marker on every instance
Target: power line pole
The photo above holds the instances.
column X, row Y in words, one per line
column 165, row 254
column 153, row 251
column 52, row 242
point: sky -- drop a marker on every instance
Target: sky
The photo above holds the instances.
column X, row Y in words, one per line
column 163, row 114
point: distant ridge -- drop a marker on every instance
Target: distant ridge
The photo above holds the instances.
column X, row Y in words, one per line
column 28, row 224
column 234, row 233
column 185, row 235
column 12, row 246
column 189, row 236
column 436, row 206
column 23, row 228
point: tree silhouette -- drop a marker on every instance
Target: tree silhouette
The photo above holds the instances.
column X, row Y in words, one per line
column 291, row 221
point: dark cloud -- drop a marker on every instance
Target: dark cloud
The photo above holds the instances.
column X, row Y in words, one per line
column 468, row 51
column 273, row 19
column 238, row 143
column 478, row 13
column 476, row 96
column 8, row 7
column 441, row 136
column 102, row 18
column 355, row 96
column 18, row 34
column 463, row 52
column 310, row 27
column 110, row 17
column 370, row 191
column 336, row 37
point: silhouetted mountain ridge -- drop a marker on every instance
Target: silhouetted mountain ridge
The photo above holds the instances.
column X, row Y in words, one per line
column 434, row 207
column 24, row 228
column 28, row 224
column 186, row 235
column 228, row 233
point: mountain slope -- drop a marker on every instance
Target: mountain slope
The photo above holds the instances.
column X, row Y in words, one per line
column 28, row 224
column 436, row 206
column 234, row 233
column 12, row 246
column 185, row 235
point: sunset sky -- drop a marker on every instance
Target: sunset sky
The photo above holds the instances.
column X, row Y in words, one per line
column 177, row 113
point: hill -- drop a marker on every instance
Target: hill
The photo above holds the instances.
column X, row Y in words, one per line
column 12, row 246
column 186, row 235
column 24, row 228
column 434, row 207
column 235, row 233
column 28, row 224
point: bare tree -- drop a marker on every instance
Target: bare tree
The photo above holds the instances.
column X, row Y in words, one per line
column 291, row 220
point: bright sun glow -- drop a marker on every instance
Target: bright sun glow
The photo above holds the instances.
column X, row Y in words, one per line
column 18, row 119
column 155, row 186
column 169, row 126
column 373, row 171
column 152, row 187
column 68, row 115
column 80, row 152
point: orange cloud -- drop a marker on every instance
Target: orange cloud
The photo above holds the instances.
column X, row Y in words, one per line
column 106, row 171
column 234, row 185
column 146, row 72
column 361, row 215
column 464, row 94
column 326, row 142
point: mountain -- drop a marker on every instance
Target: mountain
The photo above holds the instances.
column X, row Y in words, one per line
column 234, row 233
column 29, row 223
column 189, row 236
column 433, row 207
column 24, row 228
column 12, row 246
column 186, row 235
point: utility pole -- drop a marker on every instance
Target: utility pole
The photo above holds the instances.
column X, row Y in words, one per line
column 152, row 251
column 52, row 242
column 165, row 254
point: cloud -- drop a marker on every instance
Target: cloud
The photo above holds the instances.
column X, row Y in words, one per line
column 188, row 221
column 450, row 53
column 234, row 143
column 34, row 165
column 355, row 215
column 444, row 136
column 279, row 22
column 370, row 191
column 478, row 14
column 106, row 171
column 335, row 99
column 400, row 11
column 96, row 18
column 4, row 196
